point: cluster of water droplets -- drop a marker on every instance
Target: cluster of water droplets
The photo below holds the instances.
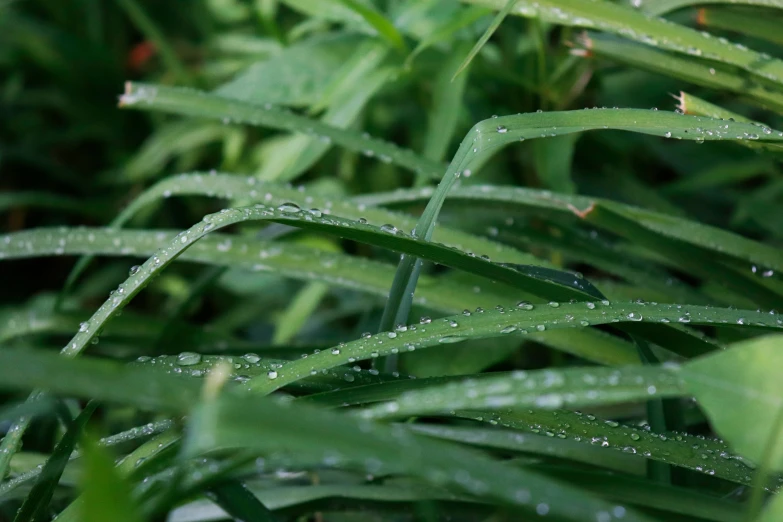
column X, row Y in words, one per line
column 696, row 452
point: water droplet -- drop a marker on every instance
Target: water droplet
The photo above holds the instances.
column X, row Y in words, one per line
column 554, row 304
column 524, row 305
column 389, row 229
column 425, row 320
column 289, row 208
column 335, row 351
column 84, row 327
column 633, row 316
column 272, row 374
column 541, row 327
column 134, row 270
column 502, row 129
column 251, row 358
column 188, row 358
column 448, row 339
column 508, row 329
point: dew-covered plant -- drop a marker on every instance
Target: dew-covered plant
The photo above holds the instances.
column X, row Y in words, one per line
column 362, row 260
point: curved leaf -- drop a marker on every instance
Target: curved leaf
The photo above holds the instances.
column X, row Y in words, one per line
column 513, row 321
column 543, row 389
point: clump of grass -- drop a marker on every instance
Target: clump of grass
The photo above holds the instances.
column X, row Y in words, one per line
column 524, row 338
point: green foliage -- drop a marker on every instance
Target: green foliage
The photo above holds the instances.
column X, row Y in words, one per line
column 213, row 322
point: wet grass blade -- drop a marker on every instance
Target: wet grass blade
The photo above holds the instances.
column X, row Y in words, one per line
column 288, row 259
column 755, row 23
column 689, row 69
column 37, row 502
column 544, row 389
column 203, row 105
column 657, row 32
column 661, row 7
column 234, row 422
column 716, row 240
column 240, row 189
column 487, row 136
column 497, row 323
column 708, row 456
column 378, row 448
column 705, row 455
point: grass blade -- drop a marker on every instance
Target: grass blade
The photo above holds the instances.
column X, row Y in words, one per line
column 688, row 231
column 240, row 503
column 544, row 389
column 485, row 37
column 105, row 494
column 37, row 502
column 689, row 69
column 627, row 22
column 199, row 104
column 662, row 7
column 497, row 323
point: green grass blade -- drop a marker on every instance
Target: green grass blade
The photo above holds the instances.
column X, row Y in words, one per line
column 717, row 240
column 92, row 377
column 200, row 104
column 692, row 259
column 512, row 321
column 239, row 502
column 447, row 100
column 661, row 7
column 756, row 23
column 693, row 70
column 627, row 22
column 446, row 31
column 690, row 104
column 226, row 424
column 288, row 259
column 105, row 494
column 295, row 316
column 542, row 445
column 485, row 37
column 704, row 455
column 234, row 422
column 249, row 189
column 487, row 136
column 144, row 431
column 375, row 19
column 543, row 389
column 37, row 502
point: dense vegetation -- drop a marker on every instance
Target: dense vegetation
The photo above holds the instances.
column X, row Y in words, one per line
column 362, row 260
